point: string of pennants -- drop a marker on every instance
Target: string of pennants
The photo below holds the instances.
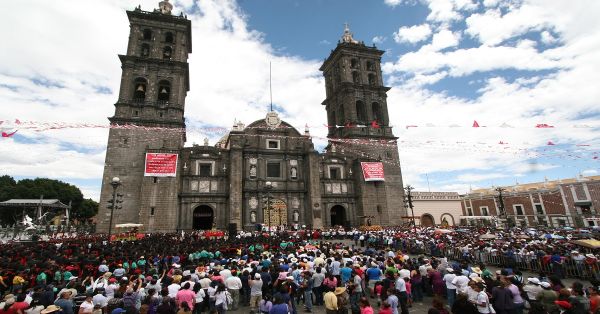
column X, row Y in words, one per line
column 10, row 128
column 44, row 126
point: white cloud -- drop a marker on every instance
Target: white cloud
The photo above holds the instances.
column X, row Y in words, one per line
column 590, row 172
column 412, row 34
column 84, row 59
column 392, row 3
column 547, row 38
column 444, row 39
column 379, row 39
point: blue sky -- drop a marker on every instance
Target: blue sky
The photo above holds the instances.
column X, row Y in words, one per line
column 449, row 62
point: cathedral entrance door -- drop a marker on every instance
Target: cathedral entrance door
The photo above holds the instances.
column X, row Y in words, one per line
column 203, row 218
column 338, row 215
column 427, row 221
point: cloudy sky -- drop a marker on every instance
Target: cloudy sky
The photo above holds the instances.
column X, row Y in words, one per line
column 508, row 65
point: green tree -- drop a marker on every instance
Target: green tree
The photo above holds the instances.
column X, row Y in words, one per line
column 49, row 189
column 88, row 209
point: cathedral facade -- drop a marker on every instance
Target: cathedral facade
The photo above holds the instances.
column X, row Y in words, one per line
column 265, row 173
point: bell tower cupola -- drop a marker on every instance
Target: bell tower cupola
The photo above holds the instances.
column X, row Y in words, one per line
column 356, row 99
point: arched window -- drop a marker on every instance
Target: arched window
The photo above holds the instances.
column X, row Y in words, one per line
column 140, row 87
column 370, row 66
column 376, row 112
column 145, row 50
column 167, row 52
column 355, row 77
column 354, row 63
column 164, row 90
column 169, row 37
column 361, row 115
column 147, row 34
column 372, row 79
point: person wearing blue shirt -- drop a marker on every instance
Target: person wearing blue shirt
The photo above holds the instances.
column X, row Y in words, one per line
column 345, row 273
column 373, row 275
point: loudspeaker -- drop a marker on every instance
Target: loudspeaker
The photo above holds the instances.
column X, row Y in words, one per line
column 232, row 229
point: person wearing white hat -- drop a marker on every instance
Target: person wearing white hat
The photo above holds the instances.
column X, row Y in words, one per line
column 532, row 288
column 256, row 285
column 450, row 287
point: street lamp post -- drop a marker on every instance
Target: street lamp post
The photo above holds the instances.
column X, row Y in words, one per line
column 268, row 187
column 409, row 188
column 115, row 183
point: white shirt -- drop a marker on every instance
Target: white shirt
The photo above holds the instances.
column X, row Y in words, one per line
column 204, row 283
column 225, row 273
column 400, row 284
column 233, row 282
column 173, row 289
column 404, row 273
column 448, row 278
column 483, row 298
column 461, row 282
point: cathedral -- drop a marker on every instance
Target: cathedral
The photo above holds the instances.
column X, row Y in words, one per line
column 263, row 174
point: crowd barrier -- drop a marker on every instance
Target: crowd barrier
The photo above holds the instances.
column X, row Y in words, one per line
column 567, row 268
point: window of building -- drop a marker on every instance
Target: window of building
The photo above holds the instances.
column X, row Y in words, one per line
column 542, row 222
column 204, row 168
column 169, row 37
column 167, row 51
column 539, row 209
column 355, row 77
column 139, row 91
column 151, row 211
column 164, row 90
column 376, row 110
column 361, row 115
column 136, row 113
column 341, row 115
column 518, row 210
column 145, row 50
column 354, row 63
column 484, row 211
column 334, row 173
column 469, row 211
column 273, row 169
column 591, row 223
column 154, row 179
column 272, row 144
column 147, row 34
column 372, row 79
column 370, row 66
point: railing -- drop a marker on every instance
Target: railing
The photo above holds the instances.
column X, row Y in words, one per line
column 567, row 267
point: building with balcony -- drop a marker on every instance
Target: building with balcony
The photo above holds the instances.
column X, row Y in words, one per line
column 571, row 202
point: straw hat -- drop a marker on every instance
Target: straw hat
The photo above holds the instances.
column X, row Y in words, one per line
column 476, row 270
column 51, row 308
column 339, row 290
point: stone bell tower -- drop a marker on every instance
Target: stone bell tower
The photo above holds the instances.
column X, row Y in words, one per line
column 357, row 113
column 148, row 118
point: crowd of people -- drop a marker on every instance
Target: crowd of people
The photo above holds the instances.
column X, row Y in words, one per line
column 340, row 271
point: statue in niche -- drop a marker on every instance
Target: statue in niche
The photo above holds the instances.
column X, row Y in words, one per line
column 296, row 216
column 252, row 171
column 253, row 217
column 294, row 172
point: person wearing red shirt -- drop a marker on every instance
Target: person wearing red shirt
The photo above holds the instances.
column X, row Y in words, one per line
column 20, row 306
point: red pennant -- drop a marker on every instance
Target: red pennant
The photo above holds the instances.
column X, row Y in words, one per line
column 544, row 126
column 374, row 124
column 17, row 121
column 475, row 124
column 4, row 134
column 550, row 143
column 502, row 143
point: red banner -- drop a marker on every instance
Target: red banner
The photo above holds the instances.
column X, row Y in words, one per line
column 372, row 171
column 160, row 165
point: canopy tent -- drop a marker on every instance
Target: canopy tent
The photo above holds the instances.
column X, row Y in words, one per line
column 39, row 205
column 590, row 244
column 128, row 225
column 443, row 231
column 487, row 236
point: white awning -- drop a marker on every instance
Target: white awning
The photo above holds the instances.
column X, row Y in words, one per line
column 478, row 217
